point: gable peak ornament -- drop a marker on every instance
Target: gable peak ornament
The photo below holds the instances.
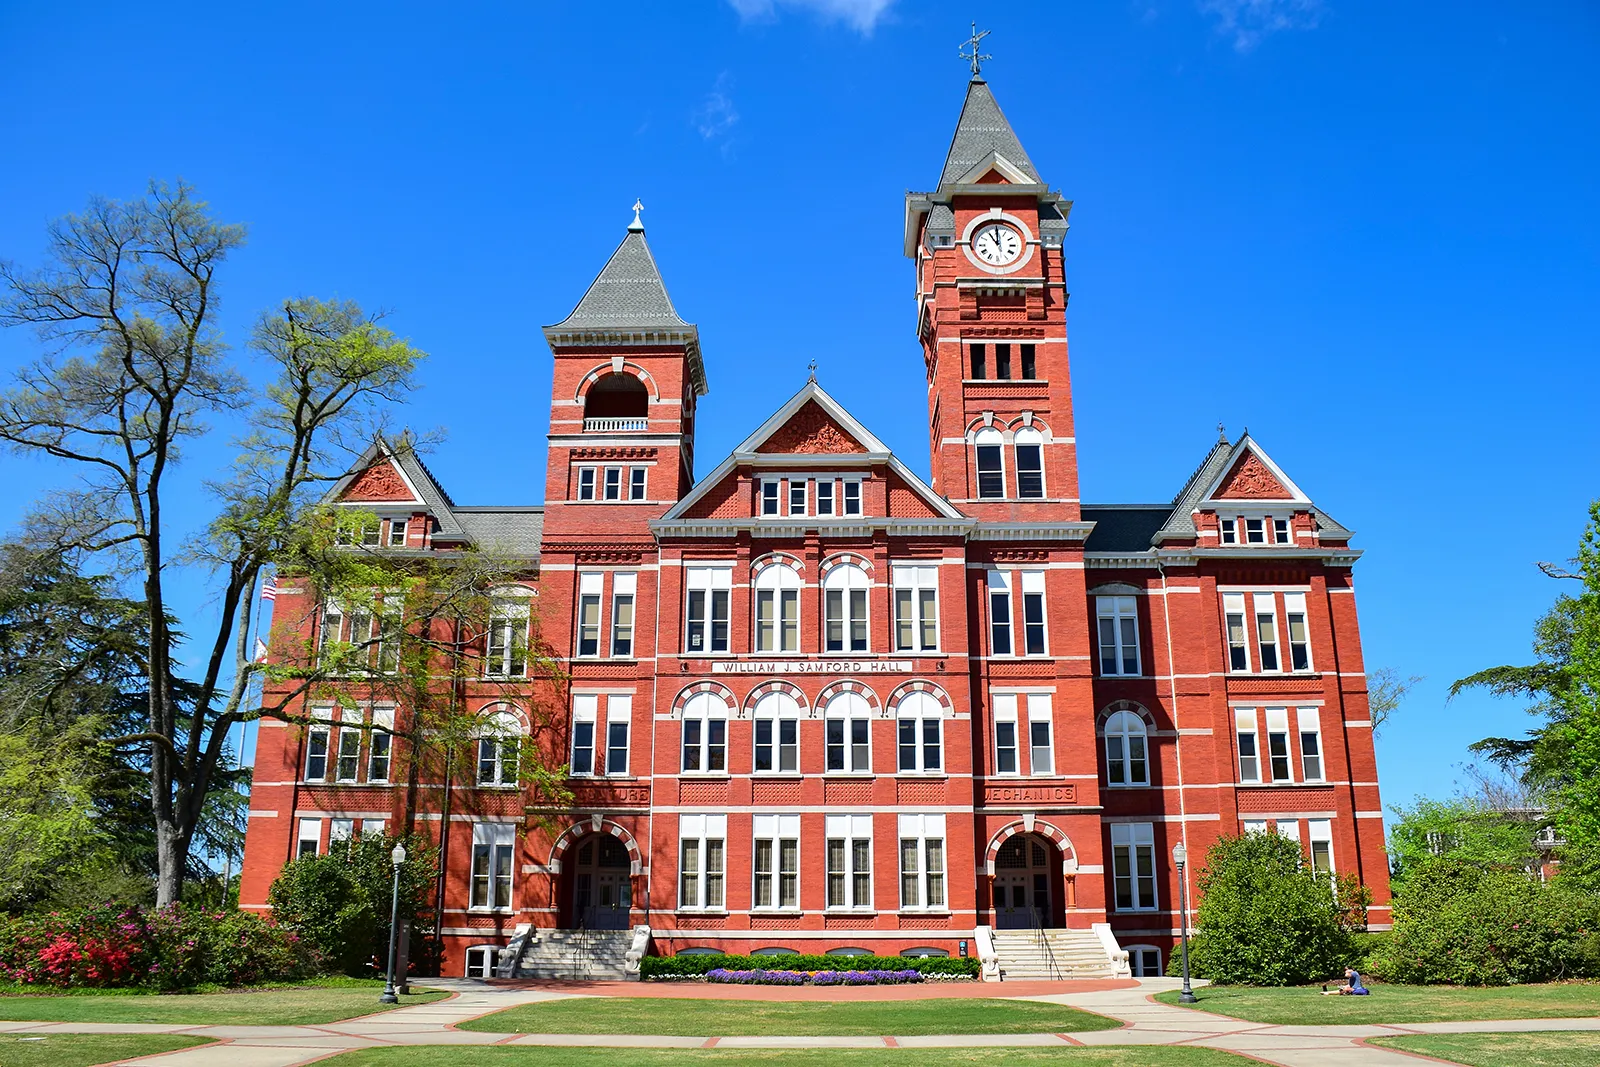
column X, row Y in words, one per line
column 975, row 59
column 637, row 225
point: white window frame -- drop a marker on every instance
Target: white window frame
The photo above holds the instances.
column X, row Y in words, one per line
column 401, row 527
column 705, row 837
column 1033, row 596
column 987, row 438
column 380, row 749
column 849, row 709
column 1278, row 730
column 348, row 748
column 1123, row 730
column 797, row 498
column 916, row 607
column 494, row 844
column 1294, row 615
column 1233, row 608
column 1282, row 534
column 1029, row 437
column 341, row 829
column 499, row 748
column 319, row 744
column 1253, row 826
column 1244, row 725
column 827, row 496
column 1039, row 715
column 619, row 724
column 591, row 594
column 1255, row 531
column 920, row 711
column 490, row 957
column 850, row 495
column 624, row 601
column 850, row 587
column 776, row 587
column 848, row 870
column 924, row 866
column 1132, row 842
column 587, row 484
column 1289, row 829
column 1118, row 618
column 1006, row 729
column 1229, row 531
column 1319, row 838
column 770, row 501
column 308, row 831
column 638, row 483
column 715, row 584
column 998, row 586
column 1266, row 623
column 585, row 714
column 780, row 879
column 708, row 713
column 611, row 490
column 775, row 711
column 506, row 644
column 1313, row 761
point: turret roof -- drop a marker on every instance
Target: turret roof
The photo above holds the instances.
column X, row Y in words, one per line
column 983, row 129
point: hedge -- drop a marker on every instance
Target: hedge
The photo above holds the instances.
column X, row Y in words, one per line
column 693, row 966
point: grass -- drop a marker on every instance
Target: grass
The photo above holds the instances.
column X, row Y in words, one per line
column 1301, row 1006
column 307, row 1004
column 671, row 1017
column 83, row 1050
column 1544, row 1049
column 502, row 1056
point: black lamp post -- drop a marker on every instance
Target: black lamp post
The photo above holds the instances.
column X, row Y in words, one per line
column 1180, row 857
column 397, row 857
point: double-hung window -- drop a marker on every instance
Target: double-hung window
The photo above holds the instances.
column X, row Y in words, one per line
column 1267, row 630
column 1255, row 532
column 999, row 583
column 1278, row 744
column 585, row 483
column 849, row 860
column 797, row 496
column 1319, row 835
column 705, row 735
column 498, row 745
column 381, row 748
column 990, row 449
column 1127, row 762
column 492, row 846
column 590, row 584
column 636, row 477
column 852, row 496
column 1310, row 723
column 1280, row 531
column 397, row 532
column 1033, row 626
column 1233, row 619
column 1029, row 447
column 777, row 734
column 770, row 490
column 847, row 722
column 825, row 496
column 844, row 599
column 1230, row 531
column 916, row 608
column 340, row 831
column 702, row 841
column 1118, row 617
column 919, row 722
column 1041, row 748
column 585, row 708
column 1133, row 865
column 348, row 766
column 619, row 724
column 776, row 863
column 1244, row 720
column 1005, row 734
column 709, row 592
column 624, row 584
column 778, row 609
column 317, row 739
column 1294, row 620
column 922, row 862
column 613, row 483
column 308, row 837
column 506, row 655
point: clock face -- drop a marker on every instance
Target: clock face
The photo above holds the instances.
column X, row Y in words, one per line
column 997, row 244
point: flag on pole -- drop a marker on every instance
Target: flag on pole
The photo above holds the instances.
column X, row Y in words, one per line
column 269, row 588
column 261, row 650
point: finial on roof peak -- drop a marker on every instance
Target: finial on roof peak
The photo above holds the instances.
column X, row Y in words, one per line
column 812, row 368
column 975, row 58
column 636, row 226
column 1222, row 434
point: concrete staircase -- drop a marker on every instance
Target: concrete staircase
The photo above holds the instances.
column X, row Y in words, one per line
column 1052, row 955
column 572, row 955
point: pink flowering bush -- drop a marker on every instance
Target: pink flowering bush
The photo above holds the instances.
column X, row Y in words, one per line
column 176, row 947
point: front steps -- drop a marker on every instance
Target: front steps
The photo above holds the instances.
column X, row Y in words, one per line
column 1052, row 955
column 570, row 955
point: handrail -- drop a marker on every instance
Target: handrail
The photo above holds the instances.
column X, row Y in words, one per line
column 1036, row 919
column 616, row 425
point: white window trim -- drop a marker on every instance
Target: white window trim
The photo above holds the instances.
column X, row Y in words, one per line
column 775, row 829
column 585, row 711
column 1118, row 609
column 1001, row 583
column 1309, row 721
column 1135, row 835
column 709, row 578
column 1246, row 724
column 1032, row 584
column 705, row 708
column 1124, row 720
column 494, row 836
column 916, row 579
column 850, row 829
column 840, row 580
column 1004, row 710
column 851, row 708
column 1039, row 711
column 920, row 708
column 922, row 829
column 619, row 710
column 700, row 830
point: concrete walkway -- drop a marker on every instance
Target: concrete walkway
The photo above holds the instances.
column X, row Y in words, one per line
column 1146, row 1022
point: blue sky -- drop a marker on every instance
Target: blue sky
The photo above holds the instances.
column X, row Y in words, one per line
column 1366, row 231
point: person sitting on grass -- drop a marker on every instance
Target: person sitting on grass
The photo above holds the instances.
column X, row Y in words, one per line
column 1352, row 988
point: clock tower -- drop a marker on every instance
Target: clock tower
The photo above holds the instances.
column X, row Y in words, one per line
column 991, row 315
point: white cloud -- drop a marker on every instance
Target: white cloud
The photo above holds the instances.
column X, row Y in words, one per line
column 861, row 15
column 1249, row 22
column 716, row 115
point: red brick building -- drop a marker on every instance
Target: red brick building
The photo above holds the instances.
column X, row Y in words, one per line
column 816, row 703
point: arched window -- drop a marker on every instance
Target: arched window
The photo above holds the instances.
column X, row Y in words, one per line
column 1126, row 761
column 777, row 732
column 990, row 448
column 777, row 615
column 705, row 734
column 844, row 596
column 1029, row 444
column 498, row 739
column 849, row 734
column 919, row 726
column 617, row 396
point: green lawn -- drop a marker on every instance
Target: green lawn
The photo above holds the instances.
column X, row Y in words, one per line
column 305, row 1005
column 1546, row 1049
column 670, row 1017
column 501, row 1056
column 83, row 1050
column 1300, row 1006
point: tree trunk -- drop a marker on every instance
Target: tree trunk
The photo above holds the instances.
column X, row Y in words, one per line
column 172, row 856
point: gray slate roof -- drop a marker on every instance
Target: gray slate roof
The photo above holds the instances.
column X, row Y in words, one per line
column 983, row 129
column 514, row 531
column 1123, row 527
column 627, row 294
column 1181, row 522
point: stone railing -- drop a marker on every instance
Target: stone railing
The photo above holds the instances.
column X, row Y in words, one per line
column 619, row 425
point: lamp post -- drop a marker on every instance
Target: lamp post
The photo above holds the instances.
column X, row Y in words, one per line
column 397, row 857
column 1180, row 857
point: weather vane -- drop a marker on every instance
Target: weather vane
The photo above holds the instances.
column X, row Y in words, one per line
column 637, row 226
column 812, row 367
column 975, row 58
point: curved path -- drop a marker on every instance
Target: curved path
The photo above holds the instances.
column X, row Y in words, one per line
column 1145, row 1022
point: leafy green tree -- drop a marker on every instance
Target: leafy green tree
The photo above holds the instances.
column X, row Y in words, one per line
column 1386, row 691
column 1266, row 919
column 1459, row 829
column 339, row 902
column 1560, row 758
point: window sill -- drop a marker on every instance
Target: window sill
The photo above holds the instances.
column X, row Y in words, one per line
column 1126, row 785
column 491, row 911
column 701, row 913
column 767, row 776
column 777, row 913
column 850, row 913
column 701, row 776
column 864, row 775
column 922, row 776
column 505, row 786
column 918, row 913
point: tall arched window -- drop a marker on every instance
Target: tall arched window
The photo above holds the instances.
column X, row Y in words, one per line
column 616, row 396
column 849, row 734
column 919, row 733
column 990, row 449
column 705, row 734
column 777, row 734
column 498, row 740
column 1126, row 758
column 844, row 598
column 1029, row 444
column 777, row 615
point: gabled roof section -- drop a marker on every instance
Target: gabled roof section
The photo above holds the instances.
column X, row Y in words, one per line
column 1250, row 474
column 812, row 423
column 394, row 465
column 981, row 133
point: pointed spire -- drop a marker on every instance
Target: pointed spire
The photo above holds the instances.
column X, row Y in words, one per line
column 981, row 130
column 628, row 293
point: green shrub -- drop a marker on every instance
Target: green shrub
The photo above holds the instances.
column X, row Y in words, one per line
column 1463, row 924
column 1265, row 919
column 339, row 902
column 693, row 965
column 1365, row 948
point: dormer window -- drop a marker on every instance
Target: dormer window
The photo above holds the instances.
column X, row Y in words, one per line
column 1280, row 531
column 1255, row 531
column 797, row 496
column 825, row 496
column 852, row 498
column 397, row 533
column 769, row 497
column 1230, row 532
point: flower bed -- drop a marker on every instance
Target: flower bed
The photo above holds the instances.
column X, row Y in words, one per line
column 678, row 968
column 765, row 977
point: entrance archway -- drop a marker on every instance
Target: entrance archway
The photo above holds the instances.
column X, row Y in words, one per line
column 601, row 888
column 1024, row 883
